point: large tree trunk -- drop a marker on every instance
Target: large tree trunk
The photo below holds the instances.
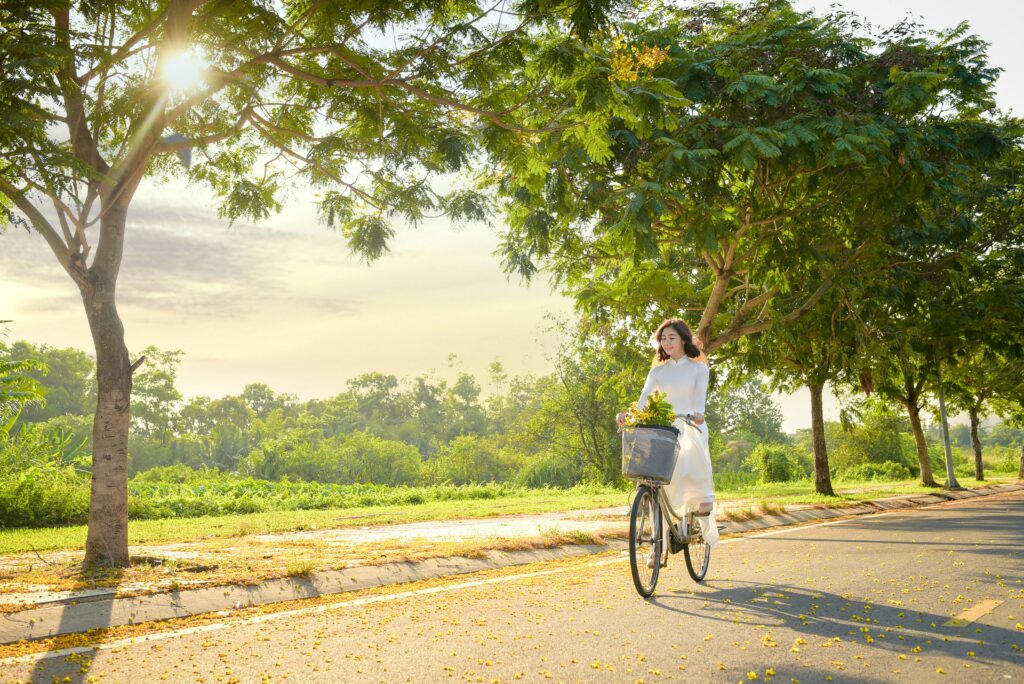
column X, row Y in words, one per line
column 822, row 479
column 107, row 541
column 922, row 445
column 979, row 468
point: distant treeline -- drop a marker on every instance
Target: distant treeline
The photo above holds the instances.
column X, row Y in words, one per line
column 554, row 430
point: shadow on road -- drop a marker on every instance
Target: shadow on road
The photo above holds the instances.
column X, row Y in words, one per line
column 819, row 616
column 888, row 625
column 75, row 667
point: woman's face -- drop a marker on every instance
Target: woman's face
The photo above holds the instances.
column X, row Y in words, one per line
column 671, row 342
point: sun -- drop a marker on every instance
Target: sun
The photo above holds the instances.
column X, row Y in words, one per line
column 183, row 71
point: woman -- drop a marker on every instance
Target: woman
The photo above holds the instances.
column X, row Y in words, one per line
column 684, row 379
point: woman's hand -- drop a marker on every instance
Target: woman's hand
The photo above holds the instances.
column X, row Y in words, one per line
column 620, row 419
column 698, row 418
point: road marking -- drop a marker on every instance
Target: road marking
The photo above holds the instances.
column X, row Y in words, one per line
column 979, row 609
column 380, row 598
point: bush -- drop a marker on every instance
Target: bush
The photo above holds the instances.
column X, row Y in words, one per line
column 548, row 469
column 1004, row 459
column 964, row 470
column 41, row 482
column 359, row 458
column 887, row 471
column 733, row 480
column 468, row 459
column 775, row 463
column 44, row 496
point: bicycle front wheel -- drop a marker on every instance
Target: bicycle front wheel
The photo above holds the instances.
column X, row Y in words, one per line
column 645, row 541
column 697, row 552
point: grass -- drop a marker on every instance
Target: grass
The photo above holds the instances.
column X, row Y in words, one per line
column 300, row 568
column 778, row 494
column 187, row 529
column 764, row 497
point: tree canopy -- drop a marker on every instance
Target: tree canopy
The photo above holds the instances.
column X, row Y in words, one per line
column 738, row 158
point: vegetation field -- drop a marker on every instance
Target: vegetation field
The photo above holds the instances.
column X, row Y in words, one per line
column 406, row 504
column 373, row 505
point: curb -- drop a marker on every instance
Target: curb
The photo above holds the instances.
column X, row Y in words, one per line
column 101, row 609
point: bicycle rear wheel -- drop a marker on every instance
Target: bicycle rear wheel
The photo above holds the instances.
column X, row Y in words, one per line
column 645, row 540
column 697, row 551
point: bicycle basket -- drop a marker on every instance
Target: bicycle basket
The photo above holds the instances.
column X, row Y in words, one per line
column 649, row 453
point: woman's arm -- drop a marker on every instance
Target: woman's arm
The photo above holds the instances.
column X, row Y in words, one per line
column 650, row 384
column 700, row 392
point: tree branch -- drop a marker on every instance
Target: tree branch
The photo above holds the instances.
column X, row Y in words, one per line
column 445, row 100
column 39, row 222
column 83, row 145
column 164, row 147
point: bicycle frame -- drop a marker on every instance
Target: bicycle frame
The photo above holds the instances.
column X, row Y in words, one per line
column 669, row 514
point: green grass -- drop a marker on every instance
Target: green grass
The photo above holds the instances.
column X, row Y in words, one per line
column 802, row 491
column 519, row 501
column 190, row 529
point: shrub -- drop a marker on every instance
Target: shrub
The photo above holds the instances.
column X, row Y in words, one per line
column 549, row 469
column 1004, row 459
column 43, row 496
column 359, row 458
column 775, row 463
column 887, row 471
column 467, row 459
column 733, row 480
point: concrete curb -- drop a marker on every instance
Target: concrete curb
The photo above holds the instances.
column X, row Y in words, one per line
column 100, row 609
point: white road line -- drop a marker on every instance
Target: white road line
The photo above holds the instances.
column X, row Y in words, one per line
column 382, row 598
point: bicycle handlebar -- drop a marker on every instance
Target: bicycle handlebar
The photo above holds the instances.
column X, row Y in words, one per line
column 688, row 419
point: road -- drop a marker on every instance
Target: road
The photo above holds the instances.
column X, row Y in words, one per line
column 869, row 599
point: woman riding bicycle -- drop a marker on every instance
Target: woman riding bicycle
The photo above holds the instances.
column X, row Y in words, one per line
column 683, row 378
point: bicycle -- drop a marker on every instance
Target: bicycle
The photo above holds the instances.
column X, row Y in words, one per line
column 646, row 533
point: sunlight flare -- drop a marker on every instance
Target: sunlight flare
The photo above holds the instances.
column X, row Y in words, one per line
column 183, row 71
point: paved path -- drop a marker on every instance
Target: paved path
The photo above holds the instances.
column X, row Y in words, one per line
column 870, row 599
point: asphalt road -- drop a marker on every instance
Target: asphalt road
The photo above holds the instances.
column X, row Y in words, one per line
column 870, row 599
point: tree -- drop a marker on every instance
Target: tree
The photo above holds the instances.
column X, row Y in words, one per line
column 746, row 406
column 976, row 384
column 362, row 101
column 990, row 374
column 737, row 159
column 811, row 351
column 154, row 394
column 953, row 285
column 462, row 402
column 262, row 399
column 69, row 380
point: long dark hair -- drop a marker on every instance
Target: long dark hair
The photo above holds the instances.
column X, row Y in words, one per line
column 677, row 324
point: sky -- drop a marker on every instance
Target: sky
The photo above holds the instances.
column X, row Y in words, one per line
column 284, row 303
